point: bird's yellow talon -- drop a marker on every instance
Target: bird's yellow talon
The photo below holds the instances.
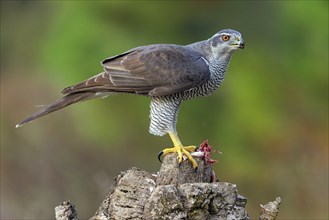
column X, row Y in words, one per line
column 180, row 155
column 190, row 148
column 180, row 150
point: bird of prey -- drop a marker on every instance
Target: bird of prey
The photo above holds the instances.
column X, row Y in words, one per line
column 167, row 73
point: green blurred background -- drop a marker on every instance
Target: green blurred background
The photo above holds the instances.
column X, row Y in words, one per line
column 269, row 117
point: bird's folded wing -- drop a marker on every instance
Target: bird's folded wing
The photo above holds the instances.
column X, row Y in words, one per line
column 154, row 70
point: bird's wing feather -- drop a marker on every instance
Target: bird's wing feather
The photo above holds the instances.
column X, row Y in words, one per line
column 154, row 70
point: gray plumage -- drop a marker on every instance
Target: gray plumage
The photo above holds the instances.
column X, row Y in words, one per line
column 167, row 73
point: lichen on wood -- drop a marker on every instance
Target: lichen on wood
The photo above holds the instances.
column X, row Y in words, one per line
column 176, row 192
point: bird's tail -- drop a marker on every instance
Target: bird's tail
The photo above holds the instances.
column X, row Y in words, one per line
column 59, row 104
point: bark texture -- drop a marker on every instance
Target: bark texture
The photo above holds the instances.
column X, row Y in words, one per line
column 66, row 211
column 176, row 192
column 270, row 210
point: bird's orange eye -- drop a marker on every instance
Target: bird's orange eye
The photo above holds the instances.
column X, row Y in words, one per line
column 225, row 37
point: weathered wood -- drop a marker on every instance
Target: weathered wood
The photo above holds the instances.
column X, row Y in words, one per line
column 173, row 173
column 128, row 195
column 177, row 192
column 66, row 211
column 270, row 210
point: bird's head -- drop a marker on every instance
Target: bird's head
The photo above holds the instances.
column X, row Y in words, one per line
column 226, row 41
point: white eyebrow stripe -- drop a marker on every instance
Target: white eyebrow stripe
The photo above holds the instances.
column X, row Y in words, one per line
column 222, row 34
column 225, row 33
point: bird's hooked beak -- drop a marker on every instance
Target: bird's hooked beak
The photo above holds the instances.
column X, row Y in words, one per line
column 239, row 42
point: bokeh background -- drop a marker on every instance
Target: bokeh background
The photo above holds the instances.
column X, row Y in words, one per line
column 269, row 117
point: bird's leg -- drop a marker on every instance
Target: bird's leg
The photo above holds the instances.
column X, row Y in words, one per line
column 180, row 149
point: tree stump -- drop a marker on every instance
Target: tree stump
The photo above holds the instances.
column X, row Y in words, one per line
column 176, row 192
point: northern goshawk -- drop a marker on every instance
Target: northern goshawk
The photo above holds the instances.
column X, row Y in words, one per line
column 167, row 73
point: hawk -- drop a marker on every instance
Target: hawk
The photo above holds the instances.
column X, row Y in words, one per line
column 166, row 73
